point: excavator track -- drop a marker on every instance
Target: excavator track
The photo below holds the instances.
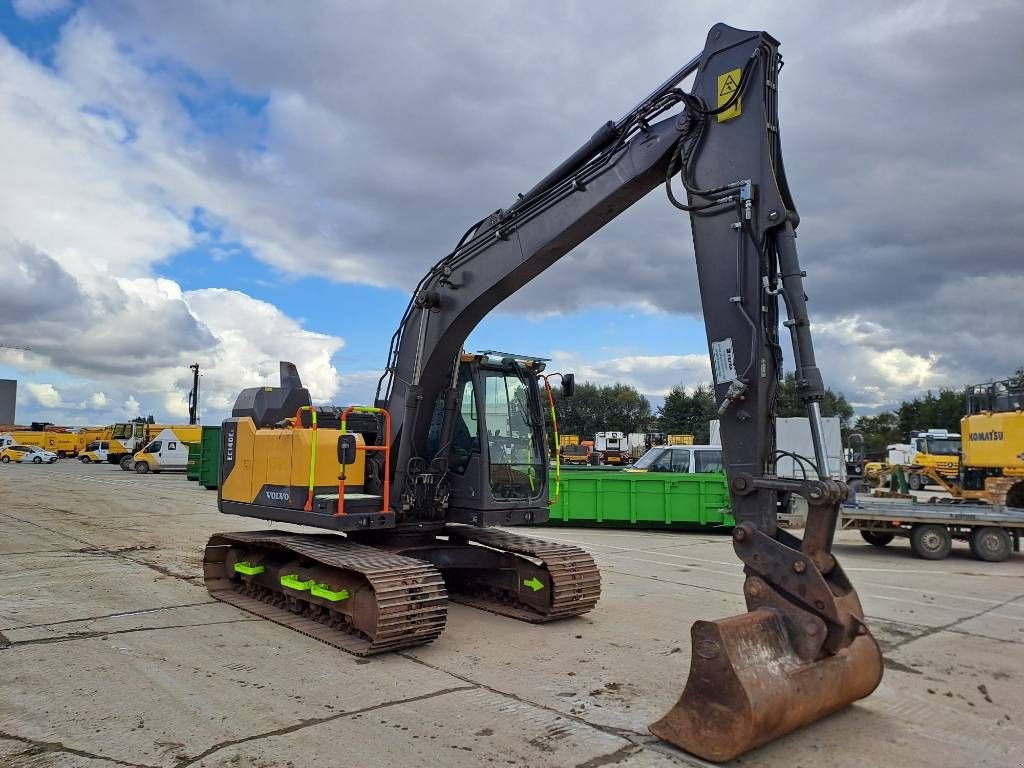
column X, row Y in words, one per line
column 574, row 580
column 390, row 601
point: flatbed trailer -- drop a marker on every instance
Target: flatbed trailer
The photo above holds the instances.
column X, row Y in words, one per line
column 991, row 533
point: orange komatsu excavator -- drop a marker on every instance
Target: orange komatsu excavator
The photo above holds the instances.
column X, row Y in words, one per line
column 410, row 491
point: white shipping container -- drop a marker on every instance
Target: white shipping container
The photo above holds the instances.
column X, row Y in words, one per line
column 637, row 444
column 794, row 435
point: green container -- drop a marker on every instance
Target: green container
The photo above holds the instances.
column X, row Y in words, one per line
column 192, row 469
column 209, row 460
column 641, row 500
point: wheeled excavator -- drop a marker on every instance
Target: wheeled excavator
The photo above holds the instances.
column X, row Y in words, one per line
column 414, row 493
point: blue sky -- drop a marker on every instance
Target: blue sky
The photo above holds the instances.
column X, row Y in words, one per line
column 188, row 184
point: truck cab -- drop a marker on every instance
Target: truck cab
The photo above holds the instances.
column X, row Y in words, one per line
column 937, row 450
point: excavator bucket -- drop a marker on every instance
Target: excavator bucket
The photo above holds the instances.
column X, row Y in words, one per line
column 748, row 686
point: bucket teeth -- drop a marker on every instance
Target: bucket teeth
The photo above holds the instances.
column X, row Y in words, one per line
column 748, row 686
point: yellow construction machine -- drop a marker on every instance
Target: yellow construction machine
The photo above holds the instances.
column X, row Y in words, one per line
column 989, row 465
column 412, row 493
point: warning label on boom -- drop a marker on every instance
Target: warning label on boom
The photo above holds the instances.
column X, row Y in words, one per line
column 722, row 361
column 728, row 84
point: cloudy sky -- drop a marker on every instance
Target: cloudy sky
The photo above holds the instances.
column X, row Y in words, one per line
column 237, row 183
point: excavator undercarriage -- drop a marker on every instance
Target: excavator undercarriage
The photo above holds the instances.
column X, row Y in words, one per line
column 391, row 594
column 455, row 444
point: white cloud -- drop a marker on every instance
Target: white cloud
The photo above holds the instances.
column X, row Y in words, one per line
column 35, row 9
column 113, row 182
column 45, row 395
column 132, row 407
column 650, row 374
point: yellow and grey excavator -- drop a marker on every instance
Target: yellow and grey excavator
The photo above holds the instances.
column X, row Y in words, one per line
column 413, row 492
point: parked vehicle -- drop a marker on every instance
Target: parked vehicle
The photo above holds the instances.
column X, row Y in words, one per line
column 60, row 442
column 168, row 452
column 689, row 459
column 23, row 454
column 95, row 452
column 611, row 447
column 576, row 453
column 932, row 528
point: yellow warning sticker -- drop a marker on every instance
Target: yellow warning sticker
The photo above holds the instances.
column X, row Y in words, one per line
column 728, row 84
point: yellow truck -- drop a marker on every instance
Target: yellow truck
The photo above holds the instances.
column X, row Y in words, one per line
column 933, row 454
column 63, row 443
column 118, row 443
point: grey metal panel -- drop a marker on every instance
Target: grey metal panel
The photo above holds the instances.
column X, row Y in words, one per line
column 8, row 396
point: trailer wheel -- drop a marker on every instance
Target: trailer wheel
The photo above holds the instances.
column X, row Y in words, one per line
column 990, row 544
column 930, row 542
column 877, row 538
column 141, row 467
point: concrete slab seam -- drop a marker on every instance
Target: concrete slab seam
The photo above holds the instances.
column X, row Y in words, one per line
column 117, row 615
column 37, row 747
column 950, row 626
column 636, row 739
column 131, row 630
column 308, row 722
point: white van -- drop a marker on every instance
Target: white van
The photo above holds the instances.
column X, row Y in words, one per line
column 95, row 452
column 167, row 453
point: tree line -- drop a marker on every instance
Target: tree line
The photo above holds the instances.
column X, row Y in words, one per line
column 621, row 407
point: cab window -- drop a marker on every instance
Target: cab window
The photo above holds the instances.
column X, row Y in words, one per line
column 708, row 461
column 465, row 435
column 680, row 460
column 670, row 460
column 154, row 447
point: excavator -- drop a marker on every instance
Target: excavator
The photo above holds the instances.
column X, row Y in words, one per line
column 414, row 494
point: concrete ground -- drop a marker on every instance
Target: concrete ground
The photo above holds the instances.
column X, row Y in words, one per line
column 113, row 654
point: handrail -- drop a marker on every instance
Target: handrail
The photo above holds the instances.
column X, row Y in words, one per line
column 558, row 448
column 386, row 448
column 308, row 507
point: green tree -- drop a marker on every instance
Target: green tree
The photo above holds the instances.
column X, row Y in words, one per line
column 788, row 404
column 686, row 413
column 942, row 411
column 593, row 408
column 879, row 431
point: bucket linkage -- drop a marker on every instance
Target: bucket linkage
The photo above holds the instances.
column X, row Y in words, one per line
column 801, row 652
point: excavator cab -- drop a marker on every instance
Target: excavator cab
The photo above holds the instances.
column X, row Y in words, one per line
column 491, row 441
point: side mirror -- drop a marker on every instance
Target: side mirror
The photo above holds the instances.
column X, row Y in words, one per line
column 346, row 449
column 568, row 384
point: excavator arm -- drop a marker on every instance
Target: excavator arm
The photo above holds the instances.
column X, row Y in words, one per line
column 803, row 650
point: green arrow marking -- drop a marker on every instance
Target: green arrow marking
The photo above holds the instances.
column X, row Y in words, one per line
column 535, row 584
